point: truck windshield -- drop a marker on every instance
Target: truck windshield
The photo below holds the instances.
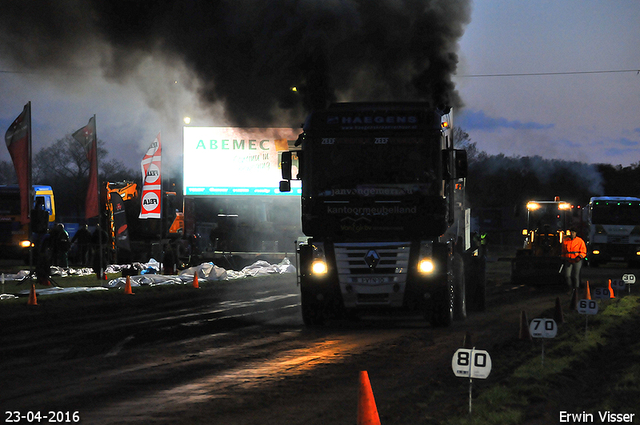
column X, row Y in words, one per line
column 401, row 164
column 548, row 217
column 627, row 213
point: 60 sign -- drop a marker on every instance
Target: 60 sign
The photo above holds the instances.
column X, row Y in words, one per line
column 587, row 307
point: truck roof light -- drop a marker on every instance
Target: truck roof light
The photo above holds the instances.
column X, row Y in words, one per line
column 532, row 206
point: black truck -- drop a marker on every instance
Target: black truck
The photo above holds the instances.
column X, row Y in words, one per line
column 384, row 214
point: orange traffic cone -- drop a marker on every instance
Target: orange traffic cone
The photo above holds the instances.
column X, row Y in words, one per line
column 127, row 286
column 367, row 410
column 195, row 280
column 524, row 327
column 558, row 316
column 611, row 294
column 587, row 292
column 33, row 300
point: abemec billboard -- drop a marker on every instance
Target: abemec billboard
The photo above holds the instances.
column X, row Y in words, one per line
column 234, row 161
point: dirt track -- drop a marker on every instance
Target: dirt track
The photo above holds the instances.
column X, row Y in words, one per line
column 237, row 353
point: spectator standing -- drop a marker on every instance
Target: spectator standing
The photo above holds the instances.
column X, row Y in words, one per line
column 82, row 239
column 61, row 245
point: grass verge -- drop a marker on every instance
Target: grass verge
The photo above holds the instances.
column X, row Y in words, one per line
column 590, row 367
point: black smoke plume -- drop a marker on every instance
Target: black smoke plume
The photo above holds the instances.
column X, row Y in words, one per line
column 248, row 54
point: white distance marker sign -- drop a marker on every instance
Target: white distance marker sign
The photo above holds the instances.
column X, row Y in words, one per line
column 543, row 328
column 474, row 364
column 602, row 293
column 629, row 278
column 587, row 307
column 618, row 284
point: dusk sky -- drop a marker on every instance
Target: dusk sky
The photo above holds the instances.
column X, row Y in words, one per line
column 571, row 114
column 557, row 79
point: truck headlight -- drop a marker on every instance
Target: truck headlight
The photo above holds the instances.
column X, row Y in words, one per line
column 25, row 244
column 319, row 263
column 319, row 267
column 426, row 266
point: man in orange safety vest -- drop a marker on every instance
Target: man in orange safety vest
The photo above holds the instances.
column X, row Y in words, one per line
column 574, row 251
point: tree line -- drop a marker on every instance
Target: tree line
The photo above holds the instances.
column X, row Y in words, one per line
column 494, row 181
column 499, row 181
column 64, row 167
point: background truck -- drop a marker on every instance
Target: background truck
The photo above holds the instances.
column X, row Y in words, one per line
column 131, row 239
column 539, row 261
column 614, row 230
column 384, row 215
column 15, row 239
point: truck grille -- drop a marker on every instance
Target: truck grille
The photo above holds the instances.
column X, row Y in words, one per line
column 618, row 239
column 373, row 258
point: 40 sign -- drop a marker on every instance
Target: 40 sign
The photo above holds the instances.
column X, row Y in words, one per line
column 473, row 364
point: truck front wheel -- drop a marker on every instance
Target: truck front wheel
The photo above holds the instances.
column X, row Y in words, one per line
column 312, row 313
column 460, row 298
column 442, row 307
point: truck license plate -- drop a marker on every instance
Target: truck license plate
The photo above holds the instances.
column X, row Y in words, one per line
column 373, row 280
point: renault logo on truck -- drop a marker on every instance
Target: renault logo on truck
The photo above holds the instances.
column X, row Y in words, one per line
column 372, row 259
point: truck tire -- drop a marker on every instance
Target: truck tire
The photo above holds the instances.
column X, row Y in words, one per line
column 459, row 286
column 312, row 314
column 475, row 283
column 442, row 307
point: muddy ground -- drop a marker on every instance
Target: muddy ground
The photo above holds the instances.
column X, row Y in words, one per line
column 237, row 353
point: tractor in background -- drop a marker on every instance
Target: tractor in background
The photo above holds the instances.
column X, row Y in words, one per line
column 539, row 262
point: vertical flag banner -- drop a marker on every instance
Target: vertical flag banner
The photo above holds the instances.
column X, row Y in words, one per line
column 86, row 136
column 120, row 222
column 152, row 180
column 18, row 138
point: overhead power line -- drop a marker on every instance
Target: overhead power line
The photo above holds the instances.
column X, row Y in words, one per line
column 528, row 74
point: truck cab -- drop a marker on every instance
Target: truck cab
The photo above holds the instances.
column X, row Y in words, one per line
column 384, row 227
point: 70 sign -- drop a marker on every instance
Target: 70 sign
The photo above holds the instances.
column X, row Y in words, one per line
column 543, row 328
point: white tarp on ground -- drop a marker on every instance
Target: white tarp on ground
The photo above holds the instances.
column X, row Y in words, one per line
column 54, row 271
column 16, row 277
column 206, row 272
column 59, row 290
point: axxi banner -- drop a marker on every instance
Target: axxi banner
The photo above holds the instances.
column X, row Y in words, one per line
column 234, row 161
column 152, row 181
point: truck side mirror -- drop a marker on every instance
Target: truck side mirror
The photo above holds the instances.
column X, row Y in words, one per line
column 454, row 164
column 285, row 165
column 461, row 164
column 285, row 186
column 446, row 165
